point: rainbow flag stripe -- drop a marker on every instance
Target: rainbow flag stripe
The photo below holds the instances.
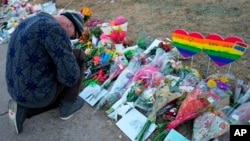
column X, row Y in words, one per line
column 223, row 52
column 187, row 44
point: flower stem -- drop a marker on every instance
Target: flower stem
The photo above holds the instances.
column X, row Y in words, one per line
column 144, row 129
column 161, row 127
column 110, row 110
column 236, row 105
column 161, row 136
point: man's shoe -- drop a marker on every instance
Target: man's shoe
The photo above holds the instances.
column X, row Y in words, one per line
column 17, row 115
column 68, row 109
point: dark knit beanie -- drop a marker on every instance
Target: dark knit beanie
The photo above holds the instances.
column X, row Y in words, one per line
column 77, row 21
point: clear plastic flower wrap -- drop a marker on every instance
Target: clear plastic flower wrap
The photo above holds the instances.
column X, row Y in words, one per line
column 121, row 106
column 219, row 89
column 147, row 75
column 151, row 77
column 160, row 58
column 162, row 97
column 146, row 78
column 189, row 79
column 241, row 115
column 120, row 85
column 146, row 99
column 194, row 104
column 115, row 70
column 243, row 99
column 238, row 89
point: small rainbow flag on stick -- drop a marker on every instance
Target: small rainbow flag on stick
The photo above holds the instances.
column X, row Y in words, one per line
column 240, row 46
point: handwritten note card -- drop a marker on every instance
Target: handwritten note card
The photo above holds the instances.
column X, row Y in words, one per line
column 132, row 123
column 89, row 90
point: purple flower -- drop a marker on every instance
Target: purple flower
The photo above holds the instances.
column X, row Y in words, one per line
column 93, row 22
column 222, row 86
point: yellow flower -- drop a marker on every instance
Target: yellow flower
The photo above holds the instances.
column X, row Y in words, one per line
column 196, row 72
column 211, row 83
column 86, row 11
column 89, row 45
column 224, row 79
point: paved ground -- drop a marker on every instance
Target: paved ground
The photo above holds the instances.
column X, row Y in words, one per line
column 84, row 126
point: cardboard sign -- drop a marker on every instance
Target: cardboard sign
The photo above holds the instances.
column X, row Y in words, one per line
column 224, row 51
column 188, row 44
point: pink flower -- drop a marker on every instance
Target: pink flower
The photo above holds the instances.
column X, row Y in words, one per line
column 96, row 60
column 119, row 20
column 104, row 38
column 118, row 36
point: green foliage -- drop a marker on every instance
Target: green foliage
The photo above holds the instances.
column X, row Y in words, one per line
column 97, row 32
column 161, row 136
column 140, row 136
column 143, row 41
column 79, row 45
column 161, row 126
column 129, row 54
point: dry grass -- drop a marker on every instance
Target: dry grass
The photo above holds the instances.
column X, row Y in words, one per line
column 159, row 19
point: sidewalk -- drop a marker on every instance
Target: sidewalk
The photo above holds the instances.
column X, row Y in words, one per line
column 83, row 126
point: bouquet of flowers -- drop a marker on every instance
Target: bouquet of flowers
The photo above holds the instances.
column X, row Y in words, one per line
column 86, row 13
column 118, row 22
column 143, row 41
column 238, row 114
column 245, row 98
column 118, row 36
column 182, row 79
column 241, row 115
column 116, row 68
column 162, row 97
column 93, row 22
column 217, row 81
column 146, row 99
column 219, row 89
column 146, row 78
column 94, row 30
column 121, row 106
column 189, row 78
column 208, row 126
column 97, row 64
column 95, row 33
column 194, row 104
column 121, row 84
column 159, row 59
column 116, row 39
